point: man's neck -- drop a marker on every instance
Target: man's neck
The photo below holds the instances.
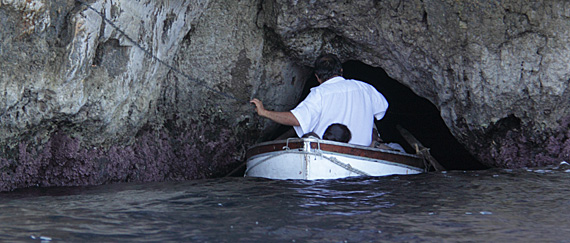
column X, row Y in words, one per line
column 320, row 80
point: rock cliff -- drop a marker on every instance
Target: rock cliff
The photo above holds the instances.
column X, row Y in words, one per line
column 113, row 90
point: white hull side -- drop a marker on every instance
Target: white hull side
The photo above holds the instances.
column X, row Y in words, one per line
column 322, row 165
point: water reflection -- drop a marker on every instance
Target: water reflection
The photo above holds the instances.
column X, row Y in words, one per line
column 326, row 198
column 482, row 206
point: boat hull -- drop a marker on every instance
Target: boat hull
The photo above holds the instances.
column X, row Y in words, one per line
column 311, row 159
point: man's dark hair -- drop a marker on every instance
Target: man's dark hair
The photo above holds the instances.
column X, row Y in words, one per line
column 328, row 66
column 337, row 132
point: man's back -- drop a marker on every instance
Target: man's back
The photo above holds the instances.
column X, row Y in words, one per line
column 336, row 100
column 350, row 102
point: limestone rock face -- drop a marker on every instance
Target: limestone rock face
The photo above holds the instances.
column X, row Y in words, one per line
column 63, row 66
column 102, row 91
column 115, row 90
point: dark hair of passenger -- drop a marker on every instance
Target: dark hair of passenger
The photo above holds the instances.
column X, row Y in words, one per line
column 328, row 66
column 310, row 134
column 337, row 132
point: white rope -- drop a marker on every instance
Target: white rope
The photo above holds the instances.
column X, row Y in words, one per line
column 346, row 166
column 331, row 159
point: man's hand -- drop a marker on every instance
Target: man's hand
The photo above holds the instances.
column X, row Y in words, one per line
column 284, row 117
column 258, row 106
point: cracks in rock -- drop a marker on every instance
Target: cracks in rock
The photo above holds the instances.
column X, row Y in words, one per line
column 188, row 37
column 259, row 13
column 64, row 30
column 515, row 23
column 271, row 37
column 112, row 56
column 500, row 128
column 397, row 5
column 167, row 24
column 424, row 19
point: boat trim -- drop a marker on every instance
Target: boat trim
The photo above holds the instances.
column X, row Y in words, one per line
column 332, row 147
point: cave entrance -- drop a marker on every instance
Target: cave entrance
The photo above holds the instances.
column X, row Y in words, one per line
column 416, row 114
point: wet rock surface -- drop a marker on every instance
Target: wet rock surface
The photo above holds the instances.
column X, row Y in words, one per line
column 81, row 103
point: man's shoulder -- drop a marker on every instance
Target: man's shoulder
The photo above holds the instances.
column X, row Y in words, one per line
column 340, row 84
column 361, row 84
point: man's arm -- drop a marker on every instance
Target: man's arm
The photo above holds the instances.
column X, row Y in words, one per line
column 281, row 117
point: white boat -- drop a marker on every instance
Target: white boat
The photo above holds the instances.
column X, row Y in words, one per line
column 312, row 158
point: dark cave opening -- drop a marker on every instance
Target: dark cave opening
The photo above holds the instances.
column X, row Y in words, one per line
column 414, row 113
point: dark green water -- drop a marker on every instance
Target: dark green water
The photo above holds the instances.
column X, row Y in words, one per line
column 481, row 206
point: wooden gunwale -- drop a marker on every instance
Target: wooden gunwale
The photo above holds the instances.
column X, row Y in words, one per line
column 336, row 147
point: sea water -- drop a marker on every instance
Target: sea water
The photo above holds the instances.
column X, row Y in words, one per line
column 523, row 205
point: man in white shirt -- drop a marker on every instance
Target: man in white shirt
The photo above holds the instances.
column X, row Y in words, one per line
column 336, row 100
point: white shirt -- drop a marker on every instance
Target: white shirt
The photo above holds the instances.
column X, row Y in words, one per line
column 337, row 100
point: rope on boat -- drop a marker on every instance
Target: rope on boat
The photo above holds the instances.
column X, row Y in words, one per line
column 331, row 159
column 345, row 166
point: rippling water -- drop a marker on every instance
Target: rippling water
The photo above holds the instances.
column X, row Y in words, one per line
column 479, row 206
